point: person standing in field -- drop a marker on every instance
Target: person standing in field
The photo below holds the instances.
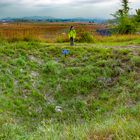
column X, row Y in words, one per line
column 72, row 35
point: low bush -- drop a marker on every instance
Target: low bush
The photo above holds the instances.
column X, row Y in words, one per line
column 86, row 37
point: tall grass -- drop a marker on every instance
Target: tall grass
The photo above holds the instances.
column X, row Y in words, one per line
column 57, row 33
column 118, row 38
column 113, row 128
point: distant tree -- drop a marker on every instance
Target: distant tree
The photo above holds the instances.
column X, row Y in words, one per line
column 126, row 24
column 137, row 16
column 125, row 7
column 124, row 11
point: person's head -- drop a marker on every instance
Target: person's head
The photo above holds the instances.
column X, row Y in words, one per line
column 72, row 27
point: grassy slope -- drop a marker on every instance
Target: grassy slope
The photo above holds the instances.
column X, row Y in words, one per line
column 96, row 85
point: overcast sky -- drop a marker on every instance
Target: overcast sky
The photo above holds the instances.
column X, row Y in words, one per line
column 62, row 8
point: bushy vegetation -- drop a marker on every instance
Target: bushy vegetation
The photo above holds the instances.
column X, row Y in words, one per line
column 86, row 37
column 137, row 16
column 93, row 93
column 126, row 24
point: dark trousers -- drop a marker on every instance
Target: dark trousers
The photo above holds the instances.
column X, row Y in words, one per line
column 71, row 41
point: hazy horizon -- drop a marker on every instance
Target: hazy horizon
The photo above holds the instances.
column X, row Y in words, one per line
column 63, row 8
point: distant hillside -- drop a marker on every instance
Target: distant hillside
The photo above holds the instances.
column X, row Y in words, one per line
column 51, row 19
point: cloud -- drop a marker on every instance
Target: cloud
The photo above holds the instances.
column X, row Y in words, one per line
column 62, row 8
column 52, row 2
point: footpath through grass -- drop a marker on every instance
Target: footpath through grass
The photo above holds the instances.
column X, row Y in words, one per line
column 93, row 93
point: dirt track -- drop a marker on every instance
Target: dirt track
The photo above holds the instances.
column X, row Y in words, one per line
column 127, row 47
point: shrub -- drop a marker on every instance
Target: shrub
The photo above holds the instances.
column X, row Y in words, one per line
column 137, row 16
column 62, row 39
column 52, row 67
column 136, row 60
column 21, row 61
column 126, row 26
column 86, row 37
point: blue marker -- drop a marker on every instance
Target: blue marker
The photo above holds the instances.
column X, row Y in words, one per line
column 65, row 52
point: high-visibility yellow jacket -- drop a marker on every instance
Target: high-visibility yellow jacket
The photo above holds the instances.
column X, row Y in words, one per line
column 72, row 33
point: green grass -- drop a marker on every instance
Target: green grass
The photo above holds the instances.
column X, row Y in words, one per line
column 96, row 88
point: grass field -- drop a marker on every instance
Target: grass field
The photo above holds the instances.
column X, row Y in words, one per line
column 48, row 32
column 91, row 94
column 57, row 33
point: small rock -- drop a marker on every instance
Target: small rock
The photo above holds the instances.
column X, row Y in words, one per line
column 21, row 70
column 58, row 109
column 34, row 74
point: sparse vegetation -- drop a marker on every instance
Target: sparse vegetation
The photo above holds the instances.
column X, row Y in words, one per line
column 93, row 93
